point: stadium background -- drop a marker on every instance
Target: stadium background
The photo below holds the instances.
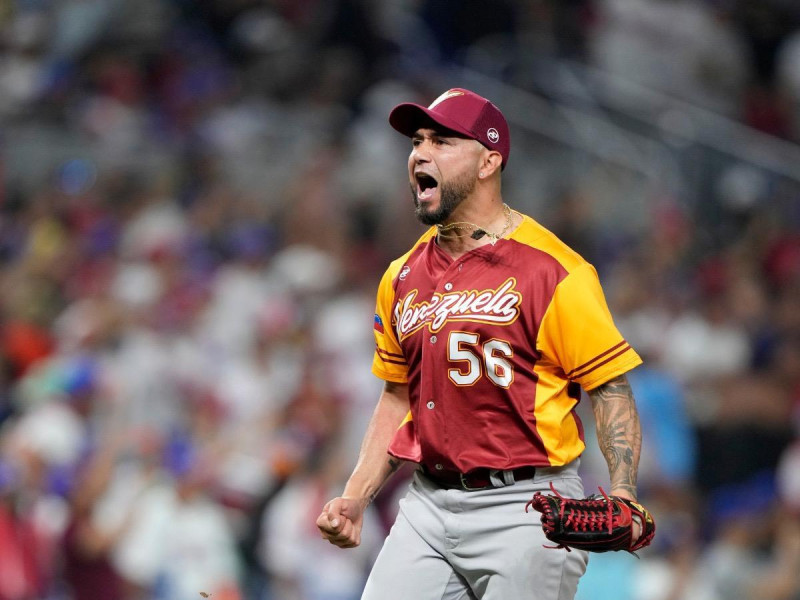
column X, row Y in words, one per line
column 199, row 196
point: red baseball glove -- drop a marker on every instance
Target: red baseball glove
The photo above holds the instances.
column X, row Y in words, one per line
column 599, row 523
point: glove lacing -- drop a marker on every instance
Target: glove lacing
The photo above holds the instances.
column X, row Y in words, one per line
column 596, row 514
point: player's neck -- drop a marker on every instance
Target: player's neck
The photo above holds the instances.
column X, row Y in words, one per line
column 472, row 226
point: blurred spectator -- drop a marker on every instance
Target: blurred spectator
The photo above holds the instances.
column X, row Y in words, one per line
column 290, row 544
column 88, row 541
column 670, row 457
column 23, row 573
column 706, row 344
column 685, row 48
column 745, row 521
column 179, row 542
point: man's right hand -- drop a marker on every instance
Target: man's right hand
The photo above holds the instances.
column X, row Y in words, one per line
column 340, row 522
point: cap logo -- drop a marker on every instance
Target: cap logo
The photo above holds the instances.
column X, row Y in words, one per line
column 445, row 96
column 493, row 135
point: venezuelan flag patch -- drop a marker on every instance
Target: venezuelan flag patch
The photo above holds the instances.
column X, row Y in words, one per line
column 378, row 324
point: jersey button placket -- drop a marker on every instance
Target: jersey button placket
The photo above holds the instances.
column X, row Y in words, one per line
column 431, row 404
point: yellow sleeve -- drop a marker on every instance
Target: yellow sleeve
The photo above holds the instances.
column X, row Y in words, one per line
column 578, row 334
column 388, row 363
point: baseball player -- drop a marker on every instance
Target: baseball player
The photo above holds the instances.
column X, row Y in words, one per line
column 486, row 330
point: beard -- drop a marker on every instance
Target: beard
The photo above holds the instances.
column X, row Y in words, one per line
column 451, row 194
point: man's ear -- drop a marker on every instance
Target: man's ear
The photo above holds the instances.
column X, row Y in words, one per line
column 491, row 163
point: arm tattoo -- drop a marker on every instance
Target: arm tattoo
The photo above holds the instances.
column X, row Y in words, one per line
column 391, row 386
column 619, row 433
column 394, row 465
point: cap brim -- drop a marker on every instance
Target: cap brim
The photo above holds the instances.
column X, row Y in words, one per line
column 408, row 117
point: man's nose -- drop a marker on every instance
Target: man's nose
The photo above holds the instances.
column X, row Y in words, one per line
column 420, row 153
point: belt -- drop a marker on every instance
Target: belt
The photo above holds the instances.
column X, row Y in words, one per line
column 477, row 479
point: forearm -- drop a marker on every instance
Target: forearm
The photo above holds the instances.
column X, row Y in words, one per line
column 619, row 433
column 374, row 464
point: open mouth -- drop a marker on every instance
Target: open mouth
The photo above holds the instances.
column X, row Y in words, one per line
column 425, row 185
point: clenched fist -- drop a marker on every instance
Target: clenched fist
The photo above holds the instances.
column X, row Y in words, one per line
column 340, row 522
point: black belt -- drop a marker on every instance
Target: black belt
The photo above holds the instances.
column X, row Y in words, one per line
column 477, row 479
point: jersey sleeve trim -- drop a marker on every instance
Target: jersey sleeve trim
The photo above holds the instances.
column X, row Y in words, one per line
column 389, row 354
column 389, row 357
column 630, row 362
column 591, row 365
column 609, row 359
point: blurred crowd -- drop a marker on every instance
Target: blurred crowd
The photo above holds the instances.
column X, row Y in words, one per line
column 198, row 199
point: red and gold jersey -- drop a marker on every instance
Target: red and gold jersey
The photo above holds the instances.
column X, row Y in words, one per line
column 495, row 347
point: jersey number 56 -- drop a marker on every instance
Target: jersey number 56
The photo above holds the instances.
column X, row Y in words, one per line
column 489, row 357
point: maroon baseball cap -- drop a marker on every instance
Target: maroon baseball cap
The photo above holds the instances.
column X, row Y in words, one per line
column 461, row 111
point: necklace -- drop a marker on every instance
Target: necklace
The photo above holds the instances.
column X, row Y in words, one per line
column 478, row 232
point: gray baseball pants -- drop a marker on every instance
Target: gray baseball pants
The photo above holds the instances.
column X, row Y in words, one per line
column 451, row 544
